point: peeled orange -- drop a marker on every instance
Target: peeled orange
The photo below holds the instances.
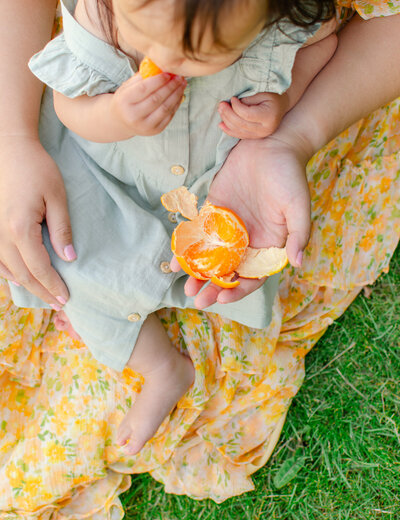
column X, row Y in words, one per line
column 214, row 244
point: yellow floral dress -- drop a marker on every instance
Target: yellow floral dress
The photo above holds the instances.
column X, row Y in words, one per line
column 60, row 409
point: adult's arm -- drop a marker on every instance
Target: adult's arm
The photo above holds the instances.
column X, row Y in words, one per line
column 31, row 187
column 363, row 75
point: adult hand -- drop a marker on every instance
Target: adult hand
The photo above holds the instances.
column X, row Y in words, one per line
column 31, row 190
column 264, row 182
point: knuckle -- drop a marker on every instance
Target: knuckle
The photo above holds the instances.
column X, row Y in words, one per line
column 128, row 116
column 156, row 98
column 147, row 128
column 24, row 279
column 275, row 119
column 167, row 109
column 17, row 227
column 142, row 88
column 160, row 127
column 40, row 272
column 270, row 126
column 64, row 233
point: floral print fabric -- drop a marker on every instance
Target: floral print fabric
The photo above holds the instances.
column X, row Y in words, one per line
column 372, row 8
column 60, row 408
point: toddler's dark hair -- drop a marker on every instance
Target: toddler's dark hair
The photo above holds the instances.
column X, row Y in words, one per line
column 300, row 12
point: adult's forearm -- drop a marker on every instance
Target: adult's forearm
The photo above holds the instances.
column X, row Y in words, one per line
column 25, row 27
column 309, row 62
column 363, row 75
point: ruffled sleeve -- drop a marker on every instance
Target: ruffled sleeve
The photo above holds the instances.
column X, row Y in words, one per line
column 78, row 63
column 372, row 8
column 63, row 71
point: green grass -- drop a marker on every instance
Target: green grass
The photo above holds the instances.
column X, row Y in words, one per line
column 338, row 457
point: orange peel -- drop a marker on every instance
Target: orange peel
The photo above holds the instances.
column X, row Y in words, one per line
column 225, row 281
column 181, row 201
column 268, row 260
column 213, row 244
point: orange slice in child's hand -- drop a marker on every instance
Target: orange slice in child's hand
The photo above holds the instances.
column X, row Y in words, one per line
column 148, row 68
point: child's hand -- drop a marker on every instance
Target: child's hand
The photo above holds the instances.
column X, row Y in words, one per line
column 31, row 190
column 253, row 117
column 146, row 106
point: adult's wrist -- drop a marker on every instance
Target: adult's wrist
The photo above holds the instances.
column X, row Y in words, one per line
column 294, row 135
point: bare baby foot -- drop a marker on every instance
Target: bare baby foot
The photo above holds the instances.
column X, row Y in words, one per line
column 62, row 323
column 163, row 387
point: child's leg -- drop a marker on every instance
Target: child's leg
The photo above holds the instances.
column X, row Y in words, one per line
column 61, row 322
column 168, row 374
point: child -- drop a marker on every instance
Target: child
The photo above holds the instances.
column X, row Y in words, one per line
column 115, row 172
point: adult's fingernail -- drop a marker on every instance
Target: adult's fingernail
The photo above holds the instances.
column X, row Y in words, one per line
column 299, row 258
column 62, row 300
column 69, row 252
column 15, row 283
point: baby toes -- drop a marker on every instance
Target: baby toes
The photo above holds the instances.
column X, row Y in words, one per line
column 125, row 438
column 124, row 433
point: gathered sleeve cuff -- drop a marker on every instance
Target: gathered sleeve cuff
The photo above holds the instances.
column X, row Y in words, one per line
column 79, row 63
column 59, row 68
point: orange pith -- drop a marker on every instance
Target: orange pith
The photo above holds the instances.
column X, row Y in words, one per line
column 148, row 68
column 211, row 245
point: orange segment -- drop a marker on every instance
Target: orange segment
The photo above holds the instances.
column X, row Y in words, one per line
column 188, row 270
column 182, row 262
column 148, row 68
column 212, row 244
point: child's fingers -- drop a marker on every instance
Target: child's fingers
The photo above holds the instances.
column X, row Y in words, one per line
column 239, row 133
column 140, row 89
column 163, row 98
column 232, row 120
column 161, row 116
column 251, row 113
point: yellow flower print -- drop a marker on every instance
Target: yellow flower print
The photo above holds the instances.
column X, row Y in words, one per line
column 15, row 475
column 368, row 240
column 55, row 452
column 385, row 184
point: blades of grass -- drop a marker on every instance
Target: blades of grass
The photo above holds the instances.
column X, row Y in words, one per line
column 385, row 417
column 288, row 470
column 330, row 362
